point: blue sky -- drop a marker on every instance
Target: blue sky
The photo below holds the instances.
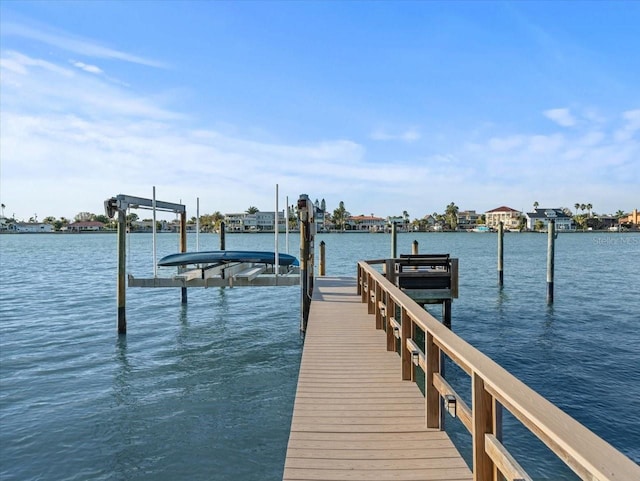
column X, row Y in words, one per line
column 387, row 106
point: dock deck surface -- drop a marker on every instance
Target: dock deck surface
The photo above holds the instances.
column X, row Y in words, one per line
column 354, row 418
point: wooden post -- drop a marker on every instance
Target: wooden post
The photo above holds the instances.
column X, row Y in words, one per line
column 391, row 312
column 222, row 233
column 446, row 312
column 550, row 259
column 183, row 247
column 390, row 270
column 306, row 219
column 377, row 306
column 500, row 253
column 432, row 396
column 497, row 432
column 371, row 292
column 394, row 240
column 304, row 297
column 482, row 405
column 405, row 354
column 122, row 272
column 322, row 259
column 414, row 248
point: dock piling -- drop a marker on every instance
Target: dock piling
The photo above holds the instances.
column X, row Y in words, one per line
column 551, row 236
column 322, row 259
column 183, row 247
column 394, row 240
column 122, row 272
column 501, row 254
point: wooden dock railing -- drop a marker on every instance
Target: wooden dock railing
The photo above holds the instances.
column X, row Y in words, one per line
column 492, row 389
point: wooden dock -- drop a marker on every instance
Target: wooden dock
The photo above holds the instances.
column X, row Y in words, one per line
column 359, row 416
column 354, row 418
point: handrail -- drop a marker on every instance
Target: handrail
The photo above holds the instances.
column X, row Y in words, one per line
column 493, row 388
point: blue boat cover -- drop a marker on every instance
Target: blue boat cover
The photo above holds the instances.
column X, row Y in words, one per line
column 211, row 257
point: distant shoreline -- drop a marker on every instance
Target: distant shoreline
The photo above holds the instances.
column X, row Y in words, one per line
column 327, row 232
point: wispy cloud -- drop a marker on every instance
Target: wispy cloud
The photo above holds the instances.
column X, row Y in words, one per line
column 74, row 44
column 561, row 117
column 409, row 135
column 86, row 68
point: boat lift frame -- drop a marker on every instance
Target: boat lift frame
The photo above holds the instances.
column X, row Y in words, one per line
column 119, row 205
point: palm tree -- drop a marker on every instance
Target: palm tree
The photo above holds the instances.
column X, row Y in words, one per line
column 3, row 206
column 589, row 207
column 535, row 205
column 577, row 206
column 405, row 216
column 252, row 210
column 451, row 213
column 340, row 215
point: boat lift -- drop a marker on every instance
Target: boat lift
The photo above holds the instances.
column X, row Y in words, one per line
column 234, row 274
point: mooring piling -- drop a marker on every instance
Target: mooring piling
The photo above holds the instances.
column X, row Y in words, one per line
column 222, row 240
column 322, row 259
column 394, row 240
column 122, row 271
column 501, row 254
column 306, row 216
column 551, row 236
column 183, row 247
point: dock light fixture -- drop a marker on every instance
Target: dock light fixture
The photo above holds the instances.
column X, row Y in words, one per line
column 415, row 356
column 450, row 404
column 396, row 331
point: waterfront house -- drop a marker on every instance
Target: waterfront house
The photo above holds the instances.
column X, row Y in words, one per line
column 30, row 227
column 633, row 219
column 467, row 219
column 367, row 223
column 541, row 217
column 85, row 226
column 256, row 222
column 509, row 217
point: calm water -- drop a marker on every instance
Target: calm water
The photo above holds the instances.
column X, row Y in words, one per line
column 205, row 391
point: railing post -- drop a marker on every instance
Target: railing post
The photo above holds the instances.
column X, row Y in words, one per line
column 432, row 396
column 365, row 287
column 483, row 423
column 391, row 312
column 497, row 432
column 371, row 296
column 405, row 354
column 377, row 306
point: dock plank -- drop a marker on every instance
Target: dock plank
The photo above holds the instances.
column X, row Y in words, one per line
column 353, row 415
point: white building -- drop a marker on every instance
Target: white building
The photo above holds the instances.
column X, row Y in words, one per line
column 509, row 217
column 367, row 223
column 31, row 227
column 563, row 221
column 258, row 222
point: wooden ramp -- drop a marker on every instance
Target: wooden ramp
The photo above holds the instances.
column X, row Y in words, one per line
column 354, row 418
